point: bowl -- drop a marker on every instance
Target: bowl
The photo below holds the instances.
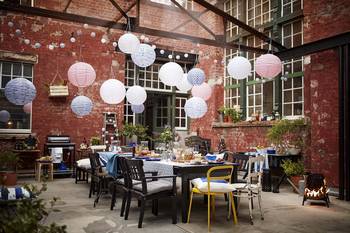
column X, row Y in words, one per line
column 210, row 157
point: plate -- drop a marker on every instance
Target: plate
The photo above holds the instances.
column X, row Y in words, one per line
column 142, row 157
column 153, row 159
column 214, row 162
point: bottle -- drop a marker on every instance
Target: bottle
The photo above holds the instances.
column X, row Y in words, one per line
column 277, row 116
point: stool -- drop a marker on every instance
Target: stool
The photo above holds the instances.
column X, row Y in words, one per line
column 39, row 164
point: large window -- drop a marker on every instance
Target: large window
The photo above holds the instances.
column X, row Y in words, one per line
column 232, row 7
column 258, row 12
column 232, row 86
column 19, row 122
column 180, row 114
column 188, row 4
column 293, row 86
column 290, row 6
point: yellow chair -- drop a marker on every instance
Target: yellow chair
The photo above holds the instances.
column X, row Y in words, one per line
column 212, row 187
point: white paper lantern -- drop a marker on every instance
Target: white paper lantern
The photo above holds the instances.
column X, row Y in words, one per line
column 128, row 43
column 4, row 116
column 81, row 74
column 81, row 105
column 184, row 85
column 196, row 76
column 137, row 108
column 27, row 108
column 239, row 68
column 136, row 95
column 20, row 91
column 112, row 91
column 195, row 107
column 171, row 73
column 203, row 91
column 144, row 56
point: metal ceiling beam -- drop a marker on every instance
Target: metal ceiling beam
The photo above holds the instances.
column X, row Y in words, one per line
column 115, row 4
column 193, row 18
column 240, row 24
column 316, row 46
column 68, row 4
column 113, row 25
column 126, row 11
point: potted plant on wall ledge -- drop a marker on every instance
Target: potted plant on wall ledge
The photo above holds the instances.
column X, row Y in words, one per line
column 8, row 164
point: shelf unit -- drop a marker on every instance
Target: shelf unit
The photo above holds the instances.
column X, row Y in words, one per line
column 109, row 131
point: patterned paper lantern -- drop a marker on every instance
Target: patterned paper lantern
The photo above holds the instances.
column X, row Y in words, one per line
column 20, row 91
column 171, row 73
column 268, row 66
column 128, row 43
column 144, row 56
column 81, row 74
column 195, row 107
column 184, row 85
column 203, row 91
column 137, row 108
column 239, row 68
column 81, row 105
column 112, row 91
column 196, row 76
column 4, row 116
column 27, row 108
column 136, row 95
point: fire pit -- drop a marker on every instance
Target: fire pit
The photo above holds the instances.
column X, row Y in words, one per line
column 316, row 188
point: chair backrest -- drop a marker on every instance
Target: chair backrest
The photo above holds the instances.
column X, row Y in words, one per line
column 124, row 171
column 95, row 163
column 255, row 169
column 241, row 159
column 127, row 149
column 135, row 171
column 219, row 173
column 202, row 144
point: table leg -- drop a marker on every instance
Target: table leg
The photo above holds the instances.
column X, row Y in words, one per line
column 184, row 201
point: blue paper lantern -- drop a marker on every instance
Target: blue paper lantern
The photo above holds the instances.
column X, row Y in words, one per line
column 196, row 76
column 137, row 108
column 81, row 105
column 195, row 107
column 144, row 56
column 20, row 91
column 4, row 116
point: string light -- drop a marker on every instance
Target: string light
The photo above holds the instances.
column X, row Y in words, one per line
column 86, row 25
column 93, row 34
column 62, row 45
column 10, row 24
column 27, row 41
column 186, row 55
column 162, row 51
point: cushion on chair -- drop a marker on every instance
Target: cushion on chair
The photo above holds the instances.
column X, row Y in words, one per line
column 244, row 186
column 155, row 186
column 215, row 186
column 14, row 193
column 84, row 163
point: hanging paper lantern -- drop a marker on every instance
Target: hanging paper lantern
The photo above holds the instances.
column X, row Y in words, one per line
column 144, row 56
column 20, row 91
column 203, row 91
column 136, row 95
column 4, row 116
column 268, row 66
column 239, row 68
column 112, row 91
column 27, row 108
column 137, row 108
column 195, row 107
column 184, row 85
column 81, row 74
column 128, row 43
column 171, row 73
column 81, row 105
column 196, row 76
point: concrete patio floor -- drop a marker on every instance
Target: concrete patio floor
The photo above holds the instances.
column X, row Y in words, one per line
column 283, row 213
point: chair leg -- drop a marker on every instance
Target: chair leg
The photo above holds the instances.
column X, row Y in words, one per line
column 114, row 198
column 174, row 209
column 128, row 201
column 155, row 207
column 259, row 202
column 233, row 208
column 122, row 209
column 142, row 212
column 208, row 212
column 213, row 205
column 99, row 192
column 91, row 187
column 189, row 208
column 250, row 209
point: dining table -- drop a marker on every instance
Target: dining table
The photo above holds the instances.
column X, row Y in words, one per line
column 186, row 172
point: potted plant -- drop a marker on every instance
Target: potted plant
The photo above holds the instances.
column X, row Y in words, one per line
column 288, row 136
column 94, row 141
column 134, row 133
column 221, row 112
column 234, row 114
column 294, row 170
column 8, row 164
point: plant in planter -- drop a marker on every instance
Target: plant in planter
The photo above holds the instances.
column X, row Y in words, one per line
column 221, row 112
column 8, row 163
column 138, row 131
column 94, row 141
column 289, row 136
column 166, row 136
column 234, row 114
column 294, row 170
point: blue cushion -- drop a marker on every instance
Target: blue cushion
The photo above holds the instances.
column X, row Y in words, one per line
column 204, row 179
column 14, row 193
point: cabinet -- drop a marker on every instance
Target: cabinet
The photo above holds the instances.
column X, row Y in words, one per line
column 110, row 131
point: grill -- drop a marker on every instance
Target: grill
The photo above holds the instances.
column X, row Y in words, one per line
column 316, row 188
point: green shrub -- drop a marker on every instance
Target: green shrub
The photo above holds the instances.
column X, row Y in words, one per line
column 293, row 168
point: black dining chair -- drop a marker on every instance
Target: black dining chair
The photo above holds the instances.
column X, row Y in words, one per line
column 138, row 186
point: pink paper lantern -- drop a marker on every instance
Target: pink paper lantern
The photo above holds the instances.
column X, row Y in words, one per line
column 81, row 74
column 27, row 108
column 202, row 91
column 268, row 66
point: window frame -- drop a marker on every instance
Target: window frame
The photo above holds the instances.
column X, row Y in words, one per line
column 180, row 117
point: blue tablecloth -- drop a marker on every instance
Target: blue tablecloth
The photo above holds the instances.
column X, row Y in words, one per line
column 109, row 160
